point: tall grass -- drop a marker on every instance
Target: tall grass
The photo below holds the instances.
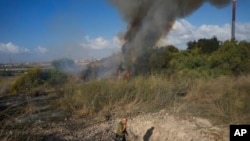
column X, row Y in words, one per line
column 223, row 99
column 143, row 93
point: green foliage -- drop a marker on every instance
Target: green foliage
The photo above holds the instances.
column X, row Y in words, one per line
column 205, row 46
column 154, row 60
column 161, row 57
column 209, row 57
column 54, row 77
column 35, row 77
column 27, row 81
column 232, row 58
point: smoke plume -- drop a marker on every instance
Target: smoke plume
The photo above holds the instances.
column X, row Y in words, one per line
column 149, row 20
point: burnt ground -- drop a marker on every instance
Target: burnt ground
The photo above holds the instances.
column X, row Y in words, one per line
column 21, row 113
column 37, row 117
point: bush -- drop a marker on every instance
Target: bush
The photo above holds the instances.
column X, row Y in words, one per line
column 161, row 57
column 27, row 81
column 35, row 77
column 54, row 77
column 205, row 46
column 232, row 58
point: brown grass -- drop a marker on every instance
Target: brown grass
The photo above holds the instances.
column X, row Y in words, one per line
column 223, row 99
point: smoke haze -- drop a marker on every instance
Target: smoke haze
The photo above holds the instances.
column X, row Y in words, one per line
column 150, row 20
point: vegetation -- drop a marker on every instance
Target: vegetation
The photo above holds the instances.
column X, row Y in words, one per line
column 35, row 78
column 210, row 79
column 206, row 58
column 224, row 99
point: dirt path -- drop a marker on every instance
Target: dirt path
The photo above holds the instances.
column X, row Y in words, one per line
column 163, row 127
column 145, row 127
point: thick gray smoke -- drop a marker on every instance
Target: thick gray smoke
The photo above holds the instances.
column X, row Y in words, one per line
column 149, row 20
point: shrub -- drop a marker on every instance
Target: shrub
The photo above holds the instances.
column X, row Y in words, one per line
column 35, row 77
column 27, row 81
column 54, row 77
column 205, row 46
column 231, row 59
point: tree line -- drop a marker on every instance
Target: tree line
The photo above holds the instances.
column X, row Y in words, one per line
column 204, row 57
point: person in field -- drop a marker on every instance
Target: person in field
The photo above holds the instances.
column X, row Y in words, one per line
column 122, row 130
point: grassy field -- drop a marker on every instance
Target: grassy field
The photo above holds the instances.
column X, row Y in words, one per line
column 224, row 99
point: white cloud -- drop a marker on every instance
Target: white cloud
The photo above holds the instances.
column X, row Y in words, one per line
column 243, row 31
column 41, row 49
column 183, row 31
column 12, row 48
column 100, row 43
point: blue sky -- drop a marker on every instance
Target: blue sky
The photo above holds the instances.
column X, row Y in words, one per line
column 42, row 30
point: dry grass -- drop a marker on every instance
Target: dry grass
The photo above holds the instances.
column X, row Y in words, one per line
column 6, row 80
column 224, row 99
column 142, row 93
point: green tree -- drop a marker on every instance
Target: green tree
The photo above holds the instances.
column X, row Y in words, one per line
column 161, row 57
column 205, row 46
column 232, row 58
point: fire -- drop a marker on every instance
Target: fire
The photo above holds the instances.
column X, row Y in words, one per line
column 127, row 75
column 124, row 75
